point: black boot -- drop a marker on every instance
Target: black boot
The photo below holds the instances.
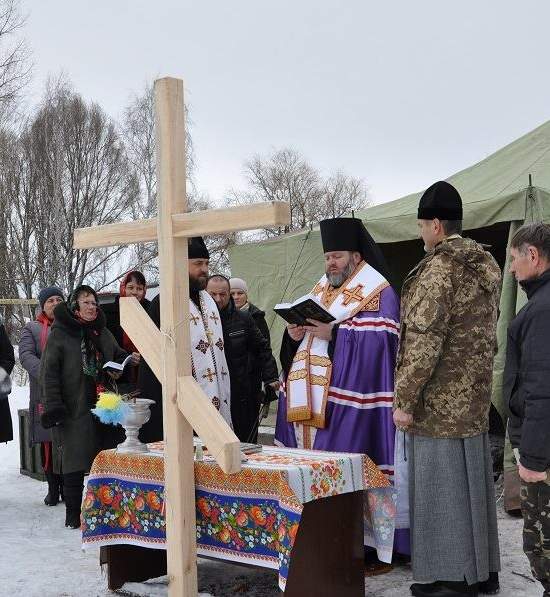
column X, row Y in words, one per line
column 444, row 589
column 491, row 586
column 52, row 498
column 72, row 515
column 73, row 484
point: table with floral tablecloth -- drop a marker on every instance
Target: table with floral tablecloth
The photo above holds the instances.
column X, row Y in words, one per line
column 251, row 517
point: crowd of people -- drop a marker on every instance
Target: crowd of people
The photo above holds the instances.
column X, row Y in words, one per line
column 405, row 379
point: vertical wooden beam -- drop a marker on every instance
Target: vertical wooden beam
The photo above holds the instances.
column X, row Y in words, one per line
column 174, row 315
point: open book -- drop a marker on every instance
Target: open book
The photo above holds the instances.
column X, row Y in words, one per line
column 117, row 366
column 302, row 309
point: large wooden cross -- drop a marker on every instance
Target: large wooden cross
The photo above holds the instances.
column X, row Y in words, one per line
column 167, row 351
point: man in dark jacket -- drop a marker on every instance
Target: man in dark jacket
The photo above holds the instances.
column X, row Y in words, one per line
column 245, row 346
column 527, row 389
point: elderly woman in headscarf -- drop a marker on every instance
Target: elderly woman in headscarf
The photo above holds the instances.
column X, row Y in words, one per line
column 239, row 293
column 71, row 375
column 31, row 346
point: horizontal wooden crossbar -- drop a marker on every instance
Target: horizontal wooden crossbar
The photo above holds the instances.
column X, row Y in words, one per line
column 197, row 223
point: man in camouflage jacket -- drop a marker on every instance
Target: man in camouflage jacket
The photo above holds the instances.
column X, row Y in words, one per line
column 449, row 309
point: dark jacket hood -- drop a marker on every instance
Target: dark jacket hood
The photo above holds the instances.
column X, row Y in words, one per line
column 254, row 311
column 65, row 319
column 472, row 255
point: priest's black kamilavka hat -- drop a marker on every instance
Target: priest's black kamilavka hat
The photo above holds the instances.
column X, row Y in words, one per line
column 197, row 248
column 441, row 201
column 350, row 234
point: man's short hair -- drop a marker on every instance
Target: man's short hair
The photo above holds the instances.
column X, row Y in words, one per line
column 451, row 226
column 533, row 235
column 220, row 278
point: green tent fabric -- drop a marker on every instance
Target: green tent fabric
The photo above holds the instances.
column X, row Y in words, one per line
column 497, row 197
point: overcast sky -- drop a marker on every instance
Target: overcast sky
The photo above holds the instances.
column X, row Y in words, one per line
column 398, row 93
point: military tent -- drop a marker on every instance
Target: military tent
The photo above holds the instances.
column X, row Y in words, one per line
column 500, row 193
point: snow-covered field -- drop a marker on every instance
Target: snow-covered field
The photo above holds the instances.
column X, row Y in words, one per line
column 41, row 558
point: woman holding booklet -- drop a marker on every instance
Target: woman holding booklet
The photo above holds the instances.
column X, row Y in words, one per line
column 71, row 373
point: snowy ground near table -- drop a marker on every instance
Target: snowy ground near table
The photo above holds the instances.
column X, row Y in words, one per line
column 41, row 558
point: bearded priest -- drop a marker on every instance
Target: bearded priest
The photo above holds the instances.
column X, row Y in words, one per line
column 208, row 361
column 339, row 377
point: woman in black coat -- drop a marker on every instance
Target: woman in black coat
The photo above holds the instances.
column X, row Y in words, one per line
column 7, row 361
column 71, row 374
column 239, row 294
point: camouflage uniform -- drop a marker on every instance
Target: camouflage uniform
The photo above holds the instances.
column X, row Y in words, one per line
column 535, row 507
column 449, row 311
column 443, row 378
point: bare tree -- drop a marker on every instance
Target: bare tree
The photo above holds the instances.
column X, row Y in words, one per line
column 73, row 173
column 218, row 244
column 285, row 175
column 9, row 181
column 15, row 65
column 342, row 194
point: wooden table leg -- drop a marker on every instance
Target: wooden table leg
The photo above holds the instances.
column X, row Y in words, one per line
column 130, row 563
column 327, row 557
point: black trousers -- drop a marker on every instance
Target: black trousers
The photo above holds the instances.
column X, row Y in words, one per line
column 73, row 485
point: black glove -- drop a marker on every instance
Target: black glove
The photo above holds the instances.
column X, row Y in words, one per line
column 53, row 416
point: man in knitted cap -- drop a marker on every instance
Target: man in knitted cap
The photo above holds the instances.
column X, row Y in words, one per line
column 443, row 382
column 338, row 390
column 207, row 346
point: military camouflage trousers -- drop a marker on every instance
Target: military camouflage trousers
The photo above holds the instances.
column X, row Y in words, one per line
column 535, row 507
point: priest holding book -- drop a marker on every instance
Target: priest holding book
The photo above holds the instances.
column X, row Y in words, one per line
column 339, row 376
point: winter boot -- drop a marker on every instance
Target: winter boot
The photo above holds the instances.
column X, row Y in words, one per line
column 491, row 586
column 73, row 484
column 52, row 497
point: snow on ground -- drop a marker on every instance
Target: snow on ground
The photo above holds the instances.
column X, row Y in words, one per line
column 41, row 558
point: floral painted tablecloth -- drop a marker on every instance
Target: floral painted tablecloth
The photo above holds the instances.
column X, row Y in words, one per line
column 250, row 517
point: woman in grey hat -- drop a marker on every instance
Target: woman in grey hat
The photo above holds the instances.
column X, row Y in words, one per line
column 33, row 340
